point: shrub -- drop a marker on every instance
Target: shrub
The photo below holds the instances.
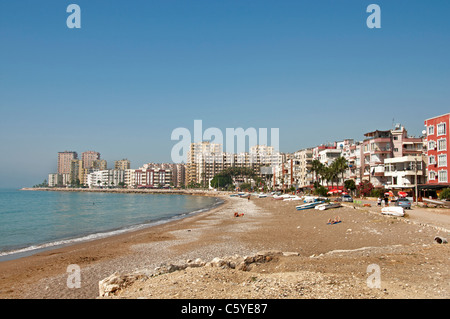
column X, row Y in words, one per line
column 321, row 191
column 445, row 194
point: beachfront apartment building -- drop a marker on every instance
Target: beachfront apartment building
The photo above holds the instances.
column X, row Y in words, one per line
column 122, row 164
column 380, row 146
column 301, row 163
column 129, row 178
column 437, row 143
column 205, row 160
column 153, row 177
column 88, row 158
column 65, row 160
column 54, row 179
column 100, row 164
column 105, row 178
column 403, row 173
column 175, row 173
column 76, row 172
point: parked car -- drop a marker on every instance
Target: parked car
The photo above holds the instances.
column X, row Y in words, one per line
column 347, row 198
column 403, row 202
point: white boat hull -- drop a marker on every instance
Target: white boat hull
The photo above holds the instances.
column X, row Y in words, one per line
column 393, row 211
column 327, row 206
column 309, row 205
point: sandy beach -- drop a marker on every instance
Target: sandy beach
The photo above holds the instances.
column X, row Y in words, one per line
column 320, row 260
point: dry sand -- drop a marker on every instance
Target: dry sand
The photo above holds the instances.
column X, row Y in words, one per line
column 332, row 260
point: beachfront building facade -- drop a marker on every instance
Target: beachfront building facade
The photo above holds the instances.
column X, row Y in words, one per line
column 64, row 161
column 377, row 146
column 129, row 178
column 437, row 144
column 122, row 164
column 100, row 164
column 88, row 158
column 404, row 173
column 353, row 157
column 105, row 178
column 153, row 178
column 76, row 172
column 206, row 159
column 381, row 146
column 301, row 168
column 54, row 179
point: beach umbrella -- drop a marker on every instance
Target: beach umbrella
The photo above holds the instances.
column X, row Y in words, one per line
column 402, row 194
column 344, row 193
column 335, row 191
column 389, row 193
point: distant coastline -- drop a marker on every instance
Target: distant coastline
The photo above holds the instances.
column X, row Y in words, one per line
column 131, row 191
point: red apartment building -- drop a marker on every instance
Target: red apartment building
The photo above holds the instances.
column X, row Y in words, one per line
column 438, row 151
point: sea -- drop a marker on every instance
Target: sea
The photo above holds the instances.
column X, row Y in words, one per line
column 33, row 221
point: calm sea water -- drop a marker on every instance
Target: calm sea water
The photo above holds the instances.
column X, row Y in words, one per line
column 31, row 221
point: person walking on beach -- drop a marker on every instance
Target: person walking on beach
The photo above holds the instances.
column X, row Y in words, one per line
column 379, row 201
column 386, row 202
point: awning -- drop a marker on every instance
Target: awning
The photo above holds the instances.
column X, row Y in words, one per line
column 425, row 187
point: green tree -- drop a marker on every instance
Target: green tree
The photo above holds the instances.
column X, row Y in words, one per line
column 321, row 191
column 317, row 169
column 340, row 165
column 245, row 186
column 445, row 194
column 221, row 180
column 350, row 185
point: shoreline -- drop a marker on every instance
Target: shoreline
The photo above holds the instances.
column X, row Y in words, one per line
column 413, row 265
column 22, row 272
column 131, row 191
column 67, row 242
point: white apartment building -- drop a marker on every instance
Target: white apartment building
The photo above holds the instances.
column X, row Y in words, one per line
column 402, row 172
column 105, row 178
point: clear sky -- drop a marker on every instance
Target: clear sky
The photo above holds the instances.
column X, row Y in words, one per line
column 136, row 70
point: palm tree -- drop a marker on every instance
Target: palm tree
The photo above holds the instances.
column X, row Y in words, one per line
column 341, row 166
column 316, row 167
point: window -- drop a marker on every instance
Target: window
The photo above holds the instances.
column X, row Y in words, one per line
column 441, row 129
column 442, row 144
column 431, row 160
column 442, row 176
column 431, row 145
column 442, row 160
column 431, row 130
column 432, row 175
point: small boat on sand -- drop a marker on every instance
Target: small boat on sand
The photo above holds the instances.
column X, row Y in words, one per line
column 309, row 205
column 394, row 211
column 293, row 198
column 327, row 206
column 282, row 197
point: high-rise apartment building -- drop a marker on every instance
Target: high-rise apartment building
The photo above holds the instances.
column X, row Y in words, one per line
column 122, row 164
column 205, row 160
column 88, row 158
column 100, row 164
column 76, row 172
column 65, row 160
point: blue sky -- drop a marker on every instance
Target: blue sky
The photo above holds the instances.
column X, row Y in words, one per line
column 136, row 70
